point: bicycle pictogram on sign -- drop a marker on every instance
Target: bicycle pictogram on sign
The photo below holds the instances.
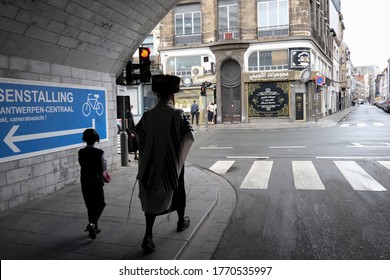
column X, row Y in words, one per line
column 92, row 103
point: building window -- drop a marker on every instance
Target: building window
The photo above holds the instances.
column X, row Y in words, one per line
column 148, row 42
column 268, row 60
column 188, row 24
column 228, row 19
column 182, row 65
column 272, row 18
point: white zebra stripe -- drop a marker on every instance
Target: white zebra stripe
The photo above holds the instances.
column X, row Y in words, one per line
column 258, row 175
column 359, row 179
column 221, row 167
column 385, row 164
column 306, row 176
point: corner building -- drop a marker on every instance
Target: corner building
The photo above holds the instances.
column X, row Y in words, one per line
column 261, row 56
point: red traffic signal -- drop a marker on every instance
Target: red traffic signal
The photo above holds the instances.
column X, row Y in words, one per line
column 144, row 64
column 203, row 90
column 144, row 52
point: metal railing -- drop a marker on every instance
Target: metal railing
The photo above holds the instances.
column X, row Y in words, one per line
column 273, row 31
column 228, row 34
column 188, row 39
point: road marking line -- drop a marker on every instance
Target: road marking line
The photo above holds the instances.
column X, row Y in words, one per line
column 361, row 124
column 370, row 145
column 352, row 157
column 385, row 164
column 258, row 175
column 215, row 148
column 247, row 157
column 287, row 147
column 379, row 124
column 344, row 125
column 357, row 177
column 306, row 176
column 221, row 167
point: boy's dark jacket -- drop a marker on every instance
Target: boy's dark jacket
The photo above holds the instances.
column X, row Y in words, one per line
column 90, row 160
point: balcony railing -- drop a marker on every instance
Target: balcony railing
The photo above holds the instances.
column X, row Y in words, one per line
column 228, row 34
column 272, row 31
column 267, row 67
column 188, row 39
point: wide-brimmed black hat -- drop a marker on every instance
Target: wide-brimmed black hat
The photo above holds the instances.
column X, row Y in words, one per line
column 165, row 85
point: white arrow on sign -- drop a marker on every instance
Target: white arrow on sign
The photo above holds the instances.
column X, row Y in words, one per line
column 10, row 139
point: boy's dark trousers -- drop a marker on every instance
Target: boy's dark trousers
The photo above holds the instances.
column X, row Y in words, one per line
column 94, row 201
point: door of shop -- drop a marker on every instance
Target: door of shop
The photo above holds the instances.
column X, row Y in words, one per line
column 299, row 106
column 231, row 91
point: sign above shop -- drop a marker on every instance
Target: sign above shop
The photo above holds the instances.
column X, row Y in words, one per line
column 268, row 99
column 300, row 58
column 270, row 76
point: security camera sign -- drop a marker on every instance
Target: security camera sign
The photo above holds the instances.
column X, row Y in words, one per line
column 37, row 117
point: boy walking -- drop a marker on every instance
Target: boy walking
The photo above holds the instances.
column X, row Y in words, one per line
column 93, row 165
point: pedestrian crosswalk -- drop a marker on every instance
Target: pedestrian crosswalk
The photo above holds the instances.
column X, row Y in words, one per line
column 255, row 179
column 359, row 179
column 305, row 174
column 362, row 124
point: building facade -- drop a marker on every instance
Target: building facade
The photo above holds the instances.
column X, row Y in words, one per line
column 265, row 59
column 365, row 78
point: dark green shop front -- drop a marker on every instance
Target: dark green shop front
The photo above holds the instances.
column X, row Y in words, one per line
column 268, row 99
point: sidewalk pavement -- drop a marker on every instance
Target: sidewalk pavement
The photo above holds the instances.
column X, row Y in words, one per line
column 271, row 123
column 52, row 227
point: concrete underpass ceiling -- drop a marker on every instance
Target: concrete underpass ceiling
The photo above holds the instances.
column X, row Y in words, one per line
column 90, row 34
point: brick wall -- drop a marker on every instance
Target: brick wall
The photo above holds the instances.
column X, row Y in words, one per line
column 30, row 178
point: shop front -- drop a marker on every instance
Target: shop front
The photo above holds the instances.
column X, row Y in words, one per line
column 280, row 95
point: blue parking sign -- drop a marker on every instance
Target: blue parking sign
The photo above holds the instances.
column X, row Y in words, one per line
column 38, row 117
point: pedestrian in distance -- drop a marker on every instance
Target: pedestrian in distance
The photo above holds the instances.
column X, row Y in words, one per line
column 165, row 137
column 132, row 142
column 210, row 113
column 194, row 113
column 93, row 166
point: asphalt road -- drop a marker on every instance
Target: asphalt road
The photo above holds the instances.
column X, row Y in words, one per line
column 315, row 193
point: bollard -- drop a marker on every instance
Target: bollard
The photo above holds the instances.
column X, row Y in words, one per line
column 124, row 149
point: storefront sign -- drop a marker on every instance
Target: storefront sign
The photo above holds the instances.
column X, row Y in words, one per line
column 300, row 58
column 268, row 99
column 269, row 76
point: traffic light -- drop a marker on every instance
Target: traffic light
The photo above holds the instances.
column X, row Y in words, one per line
column 144, row 64
column 203, row 90
column 131, row 75
column 120, row 106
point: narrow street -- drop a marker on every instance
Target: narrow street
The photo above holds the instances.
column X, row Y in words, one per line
column 317, row 193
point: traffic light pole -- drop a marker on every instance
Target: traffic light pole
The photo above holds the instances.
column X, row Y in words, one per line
column 141, row 105
column 124, row 140
column 206, row 119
